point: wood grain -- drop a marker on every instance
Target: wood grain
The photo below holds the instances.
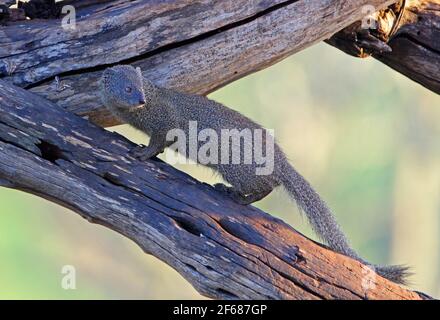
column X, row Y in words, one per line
column 193, row 46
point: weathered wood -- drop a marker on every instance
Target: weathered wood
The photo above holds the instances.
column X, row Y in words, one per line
column 8, row 2
column 224, row 249
column 191, row 46
column 412, row 32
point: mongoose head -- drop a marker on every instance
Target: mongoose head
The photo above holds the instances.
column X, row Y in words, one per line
column 122, row 88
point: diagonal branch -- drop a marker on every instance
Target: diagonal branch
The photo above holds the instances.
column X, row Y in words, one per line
column 223, row 249
column 193, row 46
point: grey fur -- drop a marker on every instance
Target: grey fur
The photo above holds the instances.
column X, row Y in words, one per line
column 166, row 109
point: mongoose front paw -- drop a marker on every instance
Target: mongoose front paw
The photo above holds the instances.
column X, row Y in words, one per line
column 222, row 188
column 143, row 153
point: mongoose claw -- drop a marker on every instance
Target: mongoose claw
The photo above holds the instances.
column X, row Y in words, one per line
column 142, row 153
column 222, row 188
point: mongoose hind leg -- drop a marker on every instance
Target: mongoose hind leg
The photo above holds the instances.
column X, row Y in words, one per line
column 239, row 197
column 156, row 146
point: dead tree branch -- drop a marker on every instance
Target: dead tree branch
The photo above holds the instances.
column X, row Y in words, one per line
column 224, row 250
column 193, row 46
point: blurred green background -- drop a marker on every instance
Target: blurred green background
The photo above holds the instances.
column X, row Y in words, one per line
column 364, row 135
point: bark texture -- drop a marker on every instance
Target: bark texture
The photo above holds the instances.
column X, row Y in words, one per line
column 191, row 46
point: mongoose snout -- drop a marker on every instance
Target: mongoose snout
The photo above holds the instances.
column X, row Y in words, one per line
column 129, row 96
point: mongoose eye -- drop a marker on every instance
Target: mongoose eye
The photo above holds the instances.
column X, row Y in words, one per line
column 128, row 89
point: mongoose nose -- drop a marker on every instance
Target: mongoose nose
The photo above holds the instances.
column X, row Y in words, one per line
column 142, row 101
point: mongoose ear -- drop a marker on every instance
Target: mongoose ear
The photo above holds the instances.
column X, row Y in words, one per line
column 108, row 71
column 139, row 71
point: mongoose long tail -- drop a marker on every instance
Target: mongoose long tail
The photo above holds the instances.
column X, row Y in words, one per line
column 324, row 223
